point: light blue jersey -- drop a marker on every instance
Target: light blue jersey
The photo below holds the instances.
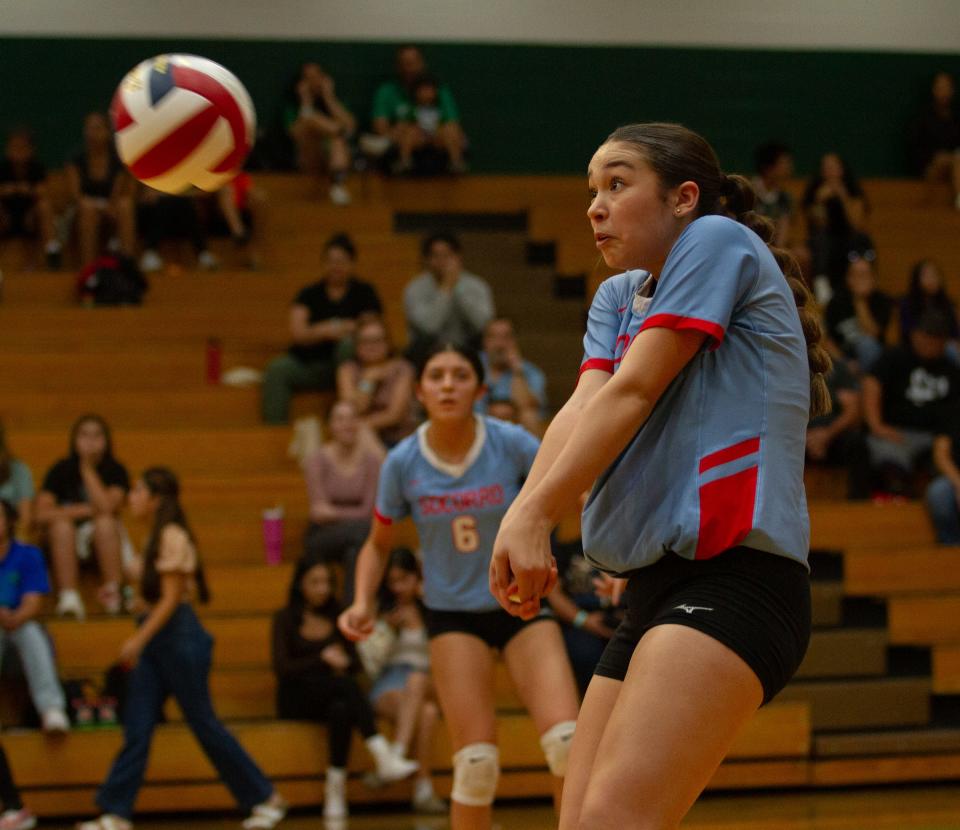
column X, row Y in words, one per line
column 457, row 508
column 719, row 462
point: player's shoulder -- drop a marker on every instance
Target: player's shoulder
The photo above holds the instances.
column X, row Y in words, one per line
column 404, row 453
column 720, row 230
column 621, row 286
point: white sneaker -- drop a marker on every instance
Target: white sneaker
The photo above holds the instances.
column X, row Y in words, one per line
column 340, row 196
column 55, row 722
column 390, row 767
column 335, row 795
column 150, row 261
column 70, row 604
column 207, row 261
column 21, row 819
column 267, row 815
column 425, row 800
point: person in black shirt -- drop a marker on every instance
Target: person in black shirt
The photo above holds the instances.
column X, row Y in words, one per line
column 835, row 207
column 936, row 137
column 101, row 190
column 904, row 398
column 927, row 291
column 858, row 315
column 25, row 209
column 315, row 667
column 322, row 315
column 78, row 507
column 943, row 493
column 835, row 439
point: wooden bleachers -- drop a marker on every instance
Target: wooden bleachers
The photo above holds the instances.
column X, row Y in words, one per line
column 844, row 720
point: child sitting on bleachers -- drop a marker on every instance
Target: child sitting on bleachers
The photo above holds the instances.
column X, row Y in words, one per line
column 397, row 657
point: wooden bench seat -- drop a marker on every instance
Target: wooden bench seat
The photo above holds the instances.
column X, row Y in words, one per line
column 901, row 570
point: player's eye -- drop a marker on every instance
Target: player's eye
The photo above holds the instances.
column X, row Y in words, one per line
column 616, row 183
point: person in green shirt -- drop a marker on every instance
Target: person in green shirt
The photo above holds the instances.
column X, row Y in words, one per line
column 320, row 125
column 397, row 103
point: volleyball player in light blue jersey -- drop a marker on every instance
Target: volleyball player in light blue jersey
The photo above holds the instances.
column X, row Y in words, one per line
column 457, row 476
column 702, row 364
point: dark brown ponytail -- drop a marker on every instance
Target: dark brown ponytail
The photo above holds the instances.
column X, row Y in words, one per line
column 676, row 155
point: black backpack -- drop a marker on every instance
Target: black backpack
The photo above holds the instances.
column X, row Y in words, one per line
column 113, row 279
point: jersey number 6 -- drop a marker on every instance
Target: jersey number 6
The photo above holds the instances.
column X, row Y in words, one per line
column 466, row 536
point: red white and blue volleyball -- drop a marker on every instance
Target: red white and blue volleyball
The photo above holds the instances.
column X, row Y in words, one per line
column 182, row 121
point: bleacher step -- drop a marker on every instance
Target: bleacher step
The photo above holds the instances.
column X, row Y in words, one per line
column 863, row 703
column 887, row 742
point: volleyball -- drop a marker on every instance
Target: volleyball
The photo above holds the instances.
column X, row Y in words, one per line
column 182, row 121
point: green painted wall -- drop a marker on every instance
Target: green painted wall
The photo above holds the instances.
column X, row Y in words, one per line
column 536, row 109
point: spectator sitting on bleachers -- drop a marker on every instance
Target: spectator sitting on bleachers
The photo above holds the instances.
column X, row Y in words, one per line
column 322, row 315
column 943, row 493
column 14, row 816
column 161, row 216
column 397, row 658
column 379, row 383
column 394, row 105
column 904, row 398
column 234, row 211
column 836, row 439
column 510, row 376
column 315, row 668
column 836, row 209
column 936, row 137
column 928, row 292
column 23, row 585
column 101, row 190
column 444, row 303
column 78, row 508
column 16, row 483
column 858, row 315
column 341, row 486
column 321, row 126
column 774, row 165
column 428, row 127
column 25, row 209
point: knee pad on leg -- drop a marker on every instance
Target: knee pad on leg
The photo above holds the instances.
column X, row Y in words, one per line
column 476, row 769
column 555, row 743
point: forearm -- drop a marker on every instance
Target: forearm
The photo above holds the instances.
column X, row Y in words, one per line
column 30, row 607
column 428, row 312
column 100, row 497
column 158, row 617
column 520, row 391
column 588, row 452
column 371, row 564
column 564, row 607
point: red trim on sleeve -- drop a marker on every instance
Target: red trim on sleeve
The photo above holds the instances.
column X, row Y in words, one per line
column 386, row 520
column 600, row 363
column 679, row 323
column 731, row 453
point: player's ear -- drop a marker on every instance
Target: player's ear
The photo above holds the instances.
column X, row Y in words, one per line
column 686, row 199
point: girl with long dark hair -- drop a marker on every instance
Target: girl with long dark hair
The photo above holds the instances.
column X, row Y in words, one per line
column 170, row 654
column 315, row 667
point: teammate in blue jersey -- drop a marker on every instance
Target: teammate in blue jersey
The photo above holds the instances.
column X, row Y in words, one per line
column 702, row 365
column 457, row 476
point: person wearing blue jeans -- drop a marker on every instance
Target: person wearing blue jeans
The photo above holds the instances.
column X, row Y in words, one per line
column 171, row 654
column 23, row 585
column 943, row 493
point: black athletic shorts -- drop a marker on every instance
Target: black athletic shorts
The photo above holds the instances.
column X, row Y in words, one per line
column 495, row 628
column 755, row 603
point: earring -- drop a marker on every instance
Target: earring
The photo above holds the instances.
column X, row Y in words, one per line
column 677, row 211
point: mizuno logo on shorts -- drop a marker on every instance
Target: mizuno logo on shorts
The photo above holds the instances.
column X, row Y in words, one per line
column 691, row 608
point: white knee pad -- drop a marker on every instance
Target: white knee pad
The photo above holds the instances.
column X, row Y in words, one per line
column 555, row 743
column 476, row 769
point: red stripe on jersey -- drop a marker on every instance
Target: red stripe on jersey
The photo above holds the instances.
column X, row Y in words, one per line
column 732, row 453
column 175, row 146
column 600, row 363
column 384, row 520
column 726, row 512
column 679, row 323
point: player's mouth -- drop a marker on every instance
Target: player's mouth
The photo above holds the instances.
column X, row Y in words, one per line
column 602, row 238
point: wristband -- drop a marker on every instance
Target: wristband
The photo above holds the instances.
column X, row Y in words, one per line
column 580, row 618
